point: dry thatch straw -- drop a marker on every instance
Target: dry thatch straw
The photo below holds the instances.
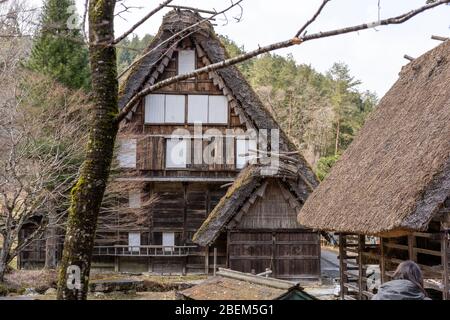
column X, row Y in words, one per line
column 395, row 176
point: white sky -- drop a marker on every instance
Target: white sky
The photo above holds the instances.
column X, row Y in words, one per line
column 375, row 57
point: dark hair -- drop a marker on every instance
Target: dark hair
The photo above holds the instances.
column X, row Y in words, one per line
column 409, row 270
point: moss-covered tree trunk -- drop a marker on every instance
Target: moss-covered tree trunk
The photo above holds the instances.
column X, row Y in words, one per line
column 88, row 192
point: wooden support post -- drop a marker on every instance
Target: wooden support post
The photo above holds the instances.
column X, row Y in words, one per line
column 361, row 244
column 207, row 260
column 411, row 245
column 342, row 265
column 382, row 261
column 215, row 261
column 116, row 264
column 444, row 262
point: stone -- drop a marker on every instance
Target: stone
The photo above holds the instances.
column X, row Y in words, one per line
column 50, row 291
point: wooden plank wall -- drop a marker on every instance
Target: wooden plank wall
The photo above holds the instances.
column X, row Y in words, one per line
column 289, row 254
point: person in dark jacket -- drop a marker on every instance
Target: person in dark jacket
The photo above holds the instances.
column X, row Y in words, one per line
column 407, row 284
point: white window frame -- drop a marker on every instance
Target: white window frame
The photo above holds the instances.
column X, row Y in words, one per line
column 211, row 112
column 159, row 114
column 154, row 114
column 176, row 143
column 242, row 161
column 168, row 241
column 175, row 103
column 196, row 102
column 134, row 241
column 127, row 153
column 134, row 199
column 186, row 61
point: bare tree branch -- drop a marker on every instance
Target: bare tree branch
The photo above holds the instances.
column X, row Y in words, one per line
column 147, row 16
column 308, row 23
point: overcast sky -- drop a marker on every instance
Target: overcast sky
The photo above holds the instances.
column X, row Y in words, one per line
column 375, row 57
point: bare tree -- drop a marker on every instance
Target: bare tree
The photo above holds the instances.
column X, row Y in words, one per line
column 40, row 136
column 88, row 193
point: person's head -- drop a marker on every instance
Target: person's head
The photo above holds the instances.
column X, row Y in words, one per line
column 409, row 270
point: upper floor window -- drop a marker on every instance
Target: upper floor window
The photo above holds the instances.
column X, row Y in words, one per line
column 162, row 108
column 171, row 108
column 186, row 61
column 127, row 153
column 207, row 109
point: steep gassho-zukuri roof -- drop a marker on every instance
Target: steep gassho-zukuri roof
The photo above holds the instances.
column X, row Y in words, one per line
column 247, row 101
column 396, row 174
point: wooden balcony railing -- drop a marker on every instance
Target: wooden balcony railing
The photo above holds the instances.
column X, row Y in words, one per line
column 143, row 251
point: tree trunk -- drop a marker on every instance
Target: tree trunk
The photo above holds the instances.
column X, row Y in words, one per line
column 4, row 252
column 2, row 271
column 88, row 192
column 338, row 129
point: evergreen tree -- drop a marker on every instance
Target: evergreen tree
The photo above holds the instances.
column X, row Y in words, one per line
column 58, row 50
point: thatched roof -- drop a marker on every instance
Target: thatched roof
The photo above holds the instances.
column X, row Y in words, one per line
column 246, row 184
column 234, row 285
column 248, row 103
column 396, row 174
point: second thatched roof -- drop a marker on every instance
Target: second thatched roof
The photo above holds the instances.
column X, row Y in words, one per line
column 395, row 176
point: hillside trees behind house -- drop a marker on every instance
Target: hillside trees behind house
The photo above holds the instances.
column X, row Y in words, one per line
column 129, row 49
column 321, row 113
column 58, row 47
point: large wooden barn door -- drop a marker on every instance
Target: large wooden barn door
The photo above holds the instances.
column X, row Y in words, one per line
column 250, row 252
column 289, row 254
column 297, row 255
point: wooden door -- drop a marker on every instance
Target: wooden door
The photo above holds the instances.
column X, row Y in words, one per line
column 293, row 254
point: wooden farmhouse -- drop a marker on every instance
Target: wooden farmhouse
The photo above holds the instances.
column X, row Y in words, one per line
column 393, row 182
column 244, row 221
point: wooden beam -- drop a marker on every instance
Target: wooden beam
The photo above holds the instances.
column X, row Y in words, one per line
column 174, row 179
column 408, row 57
column 439, row 38
column 361, row 244
column 382, row 261
column 411, row 244
column 444, row 262
column 342, row 266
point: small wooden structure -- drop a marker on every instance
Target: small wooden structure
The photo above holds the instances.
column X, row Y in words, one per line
column 388, row 197
column 254, row 227
column 234, row 285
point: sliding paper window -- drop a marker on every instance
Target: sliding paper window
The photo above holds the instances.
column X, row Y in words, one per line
column 127, row 153
column 161, row 108
column 186, row 61
column 176, row 153
column 207, row 109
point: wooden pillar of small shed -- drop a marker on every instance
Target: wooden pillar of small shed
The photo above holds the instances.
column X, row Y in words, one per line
column 361, row 270
column 342, row 265
column 411, row 245
column 382, row 261
column 207, row 260
column 444, row 262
